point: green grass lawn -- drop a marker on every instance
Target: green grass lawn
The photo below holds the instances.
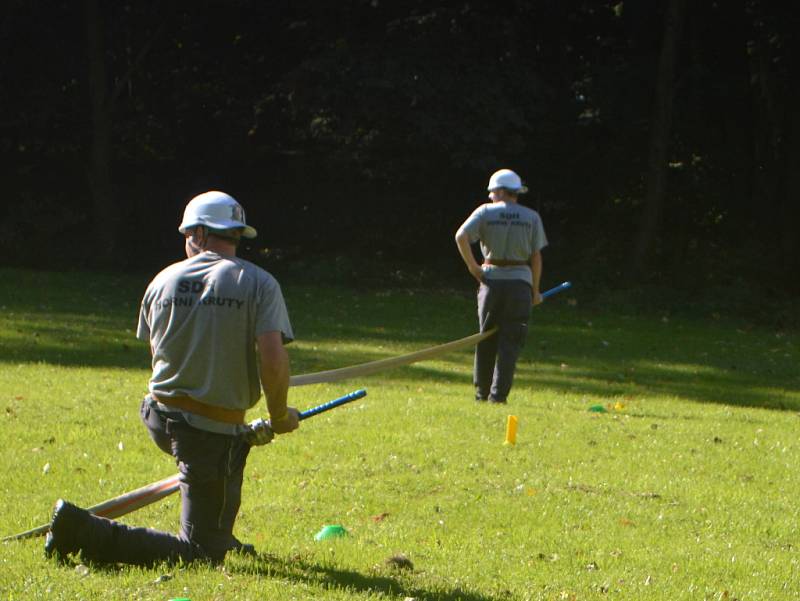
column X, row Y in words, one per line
column 686, row 487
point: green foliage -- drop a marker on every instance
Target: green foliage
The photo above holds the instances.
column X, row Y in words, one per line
column 685, row 488
column 372, row 126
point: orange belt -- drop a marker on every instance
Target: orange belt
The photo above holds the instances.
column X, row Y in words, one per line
column 504, row 262
column 186, row 403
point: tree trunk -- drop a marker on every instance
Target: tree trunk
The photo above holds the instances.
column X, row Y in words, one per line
column 790, row 209
column 100, row 182
column 659, row 136
column 738, row 116
column 775, row 153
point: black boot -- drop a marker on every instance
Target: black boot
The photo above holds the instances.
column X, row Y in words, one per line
column 101, row 540
column 243, row 548
column 68, row 526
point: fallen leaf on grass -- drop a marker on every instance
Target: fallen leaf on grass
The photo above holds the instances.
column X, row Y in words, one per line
column 380, row 517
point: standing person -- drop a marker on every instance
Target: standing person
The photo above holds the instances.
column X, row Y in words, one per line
column 217, row 326
column 511, row 237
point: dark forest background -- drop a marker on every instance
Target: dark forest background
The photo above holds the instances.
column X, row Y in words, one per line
column 660, row 138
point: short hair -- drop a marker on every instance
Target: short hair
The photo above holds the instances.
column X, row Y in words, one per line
column 233, row 234
column 509, row 190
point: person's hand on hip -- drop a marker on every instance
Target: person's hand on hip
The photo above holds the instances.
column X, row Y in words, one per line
column 477, row 273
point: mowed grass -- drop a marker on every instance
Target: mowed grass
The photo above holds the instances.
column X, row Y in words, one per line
column 686, row 487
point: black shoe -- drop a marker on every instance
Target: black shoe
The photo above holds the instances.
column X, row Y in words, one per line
column 497, row 401
column 243, row 548
column 67, row 522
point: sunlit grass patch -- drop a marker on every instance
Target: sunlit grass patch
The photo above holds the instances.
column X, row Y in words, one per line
column 684, row 486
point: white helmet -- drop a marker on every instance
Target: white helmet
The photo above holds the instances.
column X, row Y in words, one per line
column 215, row 210
column 505, row 178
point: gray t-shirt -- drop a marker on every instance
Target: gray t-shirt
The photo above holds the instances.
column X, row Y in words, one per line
column 201, row 317
column 507, row 231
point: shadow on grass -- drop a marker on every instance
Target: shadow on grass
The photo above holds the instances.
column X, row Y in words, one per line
column 700, row 362
column 624, row 374
column 331, row 577
column 721, row 386
column 66, row 320
column 298, row 570
column 71, row 340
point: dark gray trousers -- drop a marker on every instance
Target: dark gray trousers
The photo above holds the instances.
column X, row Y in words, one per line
column 507, row 305
column 211, row 468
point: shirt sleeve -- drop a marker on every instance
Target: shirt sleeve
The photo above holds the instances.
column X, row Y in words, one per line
column 143, row 329
column 472, row 226
column 538, row 237
column 272, row 315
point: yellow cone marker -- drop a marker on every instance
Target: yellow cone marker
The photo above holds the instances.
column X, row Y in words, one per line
column 511, row 430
